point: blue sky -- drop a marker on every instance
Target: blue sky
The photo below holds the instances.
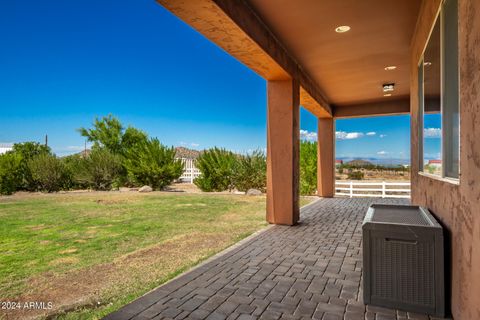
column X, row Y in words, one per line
column 65, row 62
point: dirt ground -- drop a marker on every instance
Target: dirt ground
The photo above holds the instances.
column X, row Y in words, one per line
column 89, row 286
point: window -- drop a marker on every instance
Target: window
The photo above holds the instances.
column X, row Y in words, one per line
column 438, row 74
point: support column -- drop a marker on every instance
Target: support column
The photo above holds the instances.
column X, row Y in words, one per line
column 326, row 156
column 283, row 152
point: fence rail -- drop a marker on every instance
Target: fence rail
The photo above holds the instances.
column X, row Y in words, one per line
column 190, row 171
column 381, row 189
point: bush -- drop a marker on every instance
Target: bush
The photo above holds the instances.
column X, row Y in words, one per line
column 10, row 172
column 74, row 165
column 151, row 163
column 217, row 168
column 98, row 170
column 28, row 151
column 250, row 172
column 308, row 167
column 356, row 175
column 48, row 172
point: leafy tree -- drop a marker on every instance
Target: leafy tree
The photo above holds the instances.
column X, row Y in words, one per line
column 108, row 132
column 131, row 138
column 308, row 167
column 10, row 172
column 250, row 172
column 27, row 151
column 217, row 170
column 48, row 172
column 151, row 163
column 99, row 169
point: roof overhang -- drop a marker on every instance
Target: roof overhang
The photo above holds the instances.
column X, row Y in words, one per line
column 339, row 75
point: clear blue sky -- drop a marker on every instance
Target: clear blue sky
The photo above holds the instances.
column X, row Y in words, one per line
column 64, row 62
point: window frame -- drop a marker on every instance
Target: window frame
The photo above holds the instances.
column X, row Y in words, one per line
column 445, row 176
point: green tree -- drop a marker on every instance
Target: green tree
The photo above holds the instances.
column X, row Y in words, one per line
column 151, row 163
column 11, row 174
column 27, row 151
column 48, row 172
column 108, row 132
column 99, row 169
column 250, row 172
column 308, row 167
column 131, row 138
column 217, row 170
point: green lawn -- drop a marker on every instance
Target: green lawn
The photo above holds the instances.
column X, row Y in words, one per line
column 93, row 252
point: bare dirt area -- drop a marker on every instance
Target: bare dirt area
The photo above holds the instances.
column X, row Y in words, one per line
column 90, row 286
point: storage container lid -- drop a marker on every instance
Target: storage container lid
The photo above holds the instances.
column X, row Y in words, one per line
column 400, row 214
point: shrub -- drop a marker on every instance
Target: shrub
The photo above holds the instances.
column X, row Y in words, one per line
column 10, row 172
column 216, row 167
column 356, row 175
column 99, row 169
column 250, row 172
column 74, row 165
column 151, row 163
column 308, row 167
column 48, row 172
column 27, row 151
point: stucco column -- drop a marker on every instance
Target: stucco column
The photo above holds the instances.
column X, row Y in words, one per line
column 283, row 152
column 325, row 156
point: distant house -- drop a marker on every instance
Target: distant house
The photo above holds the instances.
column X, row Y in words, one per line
column 5, row 147
column 338, row 162
column 435, row 163
column 188, row 157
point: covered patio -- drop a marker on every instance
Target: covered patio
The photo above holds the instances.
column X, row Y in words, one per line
column 310, row 271
column 339, row 59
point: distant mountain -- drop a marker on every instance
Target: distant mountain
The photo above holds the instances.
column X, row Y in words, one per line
column 379, row 161
column 84, row 153
column 359, row 163
column 182, row 152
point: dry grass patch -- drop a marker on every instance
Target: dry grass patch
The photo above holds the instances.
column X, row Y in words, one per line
column 90, row 253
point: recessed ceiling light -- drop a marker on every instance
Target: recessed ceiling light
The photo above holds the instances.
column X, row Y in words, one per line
column 390, row 68
column 342, row 29
column 387, row 94
column 427, row 63
column 388, row 87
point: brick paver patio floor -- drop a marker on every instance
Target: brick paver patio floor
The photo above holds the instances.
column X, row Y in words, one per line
column 309, row 271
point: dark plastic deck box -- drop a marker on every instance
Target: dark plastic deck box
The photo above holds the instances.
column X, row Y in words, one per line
column 403, row 259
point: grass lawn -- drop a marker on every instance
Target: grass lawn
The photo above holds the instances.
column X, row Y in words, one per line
column 91, row 253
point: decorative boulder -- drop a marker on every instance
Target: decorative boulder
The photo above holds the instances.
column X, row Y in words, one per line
column 253, row 192
column 145, row 189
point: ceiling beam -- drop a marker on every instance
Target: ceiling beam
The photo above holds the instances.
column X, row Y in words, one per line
column 235, row 27
column 379, row 108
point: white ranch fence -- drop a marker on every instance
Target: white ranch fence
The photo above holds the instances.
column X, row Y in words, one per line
column 381, row 189
column 190, row 171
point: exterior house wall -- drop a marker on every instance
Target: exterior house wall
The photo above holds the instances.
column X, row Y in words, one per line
column 457, row 206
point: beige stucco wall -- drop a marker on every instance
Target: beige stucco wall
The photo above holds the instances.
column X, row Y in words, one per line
column 456, row 205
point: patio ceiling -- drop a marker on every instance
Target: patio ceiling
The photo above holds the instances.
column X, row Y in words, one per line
column 350, row 66
column 340, row 74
